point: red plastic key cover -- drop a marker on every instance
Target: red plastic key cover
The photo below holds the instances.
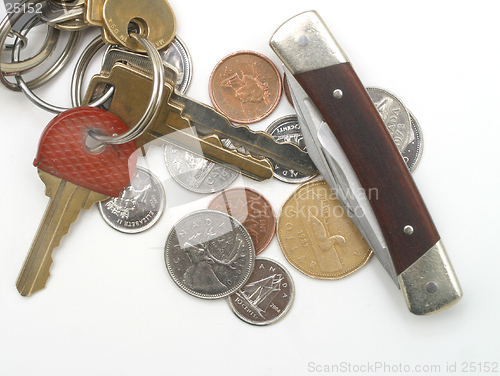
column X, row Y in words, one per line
column 62, row 151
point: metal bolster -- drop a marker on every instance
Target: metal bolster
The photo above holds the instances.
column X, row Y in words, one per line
column 430, row 285
column 304, row 43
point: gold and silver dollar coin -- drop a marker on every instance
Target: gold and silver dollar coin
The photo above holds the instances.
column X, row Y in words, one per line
column 317, row 236
column 138, row 207
column 209, row 254
column 267, row 296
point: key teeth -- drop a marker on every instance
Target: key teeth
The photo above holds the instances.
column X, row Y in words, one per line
column 215, row 140
column 264, row 164
column 288, row 155
column 66, row 202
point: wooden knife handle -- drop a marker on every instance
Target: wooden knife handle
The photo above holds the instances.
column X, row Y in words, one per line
column 361, row 132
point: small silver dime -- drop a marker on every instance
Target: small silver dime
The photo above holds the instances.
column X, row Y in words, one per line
column 413, row 152
column 195, row 173
column 177, row 55
column 139, row 206
column 394, row 114
column 266, row 297
column 209, row 254
column 287, row 129
column 413, row 145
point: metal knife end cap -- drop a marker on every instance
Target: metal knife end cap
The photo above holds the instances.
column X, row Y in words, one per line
column 430, row 285
column 304, row 43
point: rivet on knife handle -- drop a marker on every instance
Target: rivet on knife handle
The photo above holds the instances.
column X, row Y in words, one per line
column 319, row 65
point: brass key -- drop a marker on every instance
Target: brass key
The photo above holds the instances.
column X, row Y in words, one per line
column 154, row 20
column 181, row 114
column 75, row 178
column 93, row 12
column 169, row 126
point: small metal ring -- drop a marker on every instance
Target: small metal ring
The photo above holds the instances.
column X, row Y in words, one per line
column 49, row 45
column 49, row 74
column 22, row 39
column 60, row 63
column 6, row 27
column 154, row 104
column 80, row 68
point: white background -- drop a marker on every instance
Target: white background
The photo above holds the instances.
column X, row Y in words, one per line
column 110, row 307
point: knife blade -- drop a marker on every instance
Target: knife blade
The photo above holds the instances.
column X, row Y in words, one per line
column 346, row 133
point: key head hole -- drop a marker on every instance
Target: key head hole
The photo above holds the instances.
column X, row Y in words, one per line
column 139, row 26
column 92, row 145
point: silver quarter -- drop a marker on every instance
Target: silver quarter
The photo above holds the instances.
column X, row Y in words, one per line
column 139, row 206
column 195, row 173
column 209, row 254
column 394, row 114
column 287, row 129
column 266, row 297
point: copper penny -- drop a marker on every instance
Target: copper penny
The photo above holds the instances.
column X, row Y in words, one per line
column 317, row 236
column 245, row 86
column 252, row 210
column 286, row 90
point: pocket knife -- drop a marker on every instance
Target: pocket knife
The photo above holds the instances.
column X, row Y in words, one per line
column 350, row 145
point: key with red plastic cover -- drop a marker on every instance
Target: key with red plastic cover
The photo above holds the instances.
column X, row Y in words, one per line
column 76, row 176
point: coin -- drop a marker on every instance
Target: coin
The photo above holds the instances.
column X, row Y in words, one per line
column 245, row 86
column 138, row 207
column 267, row 296
column 394, row 114
column 252, row 210
column 177, row 55
column 196, row 173
column 413, row 152
column 286, row 90
column 209, row 254
column 316, row 235
column 287, row 129
column 407, row 140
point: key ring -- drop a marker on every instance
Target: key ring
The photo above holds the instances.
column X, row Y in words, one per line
column 48, row 75
column 154, row 103
column 12, row 34
column 5, row 30
column 90, row 51
column 6, row 27
column 81, row 66
column 44, row 53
